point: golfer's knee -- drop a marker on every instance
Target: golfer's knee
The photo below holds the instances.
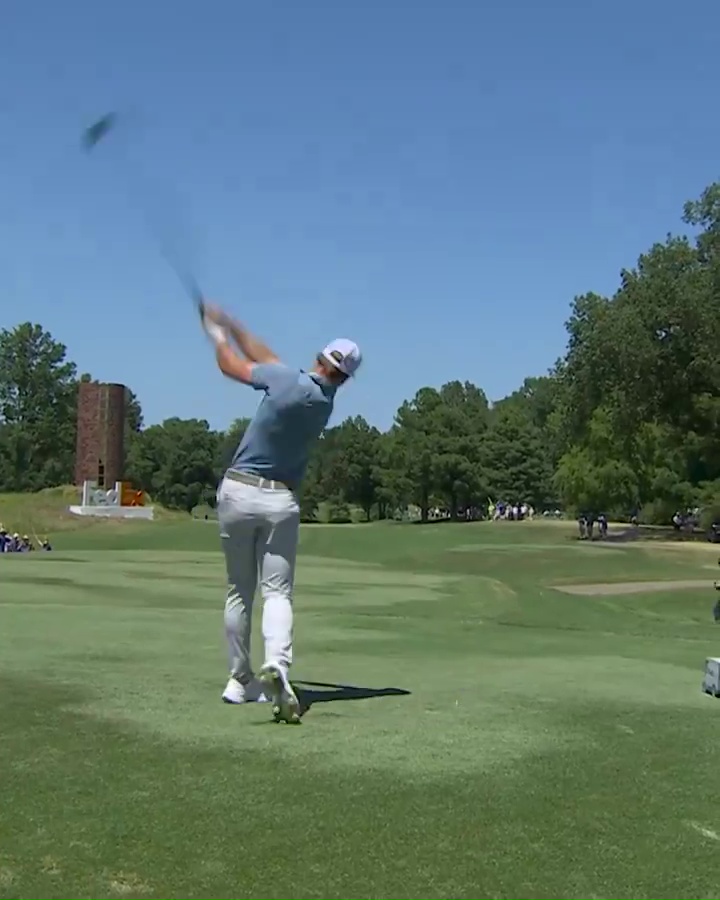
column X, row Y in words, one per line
column 239, row 595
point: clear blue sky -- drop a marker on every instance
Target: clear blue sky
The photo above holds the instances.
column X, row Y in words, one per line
column 436, row 180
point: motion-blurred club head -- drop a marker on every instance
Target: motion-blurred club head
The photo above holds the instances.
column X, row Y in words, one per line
column 159, row 224
column 97, row 131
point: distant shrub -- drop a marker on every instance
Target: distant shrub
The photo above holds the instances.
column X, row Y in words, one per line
column 203, row 511
column 339, row 512
column 658, row 512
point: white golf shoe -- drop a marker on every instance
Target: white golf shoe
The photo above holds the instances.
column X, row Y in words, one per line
column 244, row 693
column 286, row 706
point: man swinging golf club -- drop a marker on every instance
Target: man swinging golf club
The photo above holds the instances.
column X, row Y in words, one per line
column 258, row 508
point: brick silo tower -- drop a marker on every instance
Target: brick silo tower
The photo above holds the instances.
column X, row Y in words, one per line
column 100, row 449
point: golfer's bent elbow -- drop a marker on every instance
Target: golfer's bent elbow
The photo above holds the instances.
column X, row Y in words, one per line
column 251, row 347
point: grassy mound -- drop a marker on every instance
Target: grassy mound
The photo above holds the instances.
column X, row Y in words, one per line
column 47, row 512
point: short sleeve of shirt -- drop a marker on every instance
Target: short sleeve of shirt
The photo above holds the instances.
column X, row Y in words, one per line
column 271, row 377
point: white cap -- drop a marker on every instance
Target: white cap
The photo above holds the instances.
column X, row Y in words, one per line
column 345, row 355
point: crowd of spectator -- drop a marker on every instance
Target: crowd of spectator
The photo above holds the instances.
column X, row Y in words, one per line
column 14, row 542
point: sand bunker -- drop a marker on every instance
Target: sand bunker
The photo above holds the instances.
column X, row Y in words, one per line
column 631, row 587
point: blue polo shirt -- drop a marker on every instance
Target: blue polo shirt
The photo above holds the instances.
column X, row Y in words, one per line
column 296, row 407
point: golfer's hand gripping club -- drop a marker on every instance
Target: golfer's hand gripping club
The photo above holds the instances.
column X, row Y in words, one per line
column 211, row 319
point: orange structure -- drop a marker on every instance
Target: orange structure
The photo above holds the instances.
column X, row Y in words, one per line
column 129, row 496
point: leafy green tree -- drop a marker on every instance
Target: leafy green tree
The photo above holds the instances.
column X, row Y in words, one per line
column 413, row 438
column 310, row 497
column 338, row 511
column 395, row 488
column 535, row 400
column 516, row 462
column 351, row 458
column 229, row 442
column 175, row 462
column 133, row 413
column 594, row 476
column 435, row 448
column 459, row 423
column 37, row 409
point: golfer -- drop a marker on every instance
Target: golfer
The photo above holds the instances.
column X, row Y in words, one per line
column 257, row 499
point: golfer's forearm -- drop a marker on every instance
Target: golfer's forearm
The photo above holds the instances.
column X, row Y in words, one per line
column 225, row 357
column 230, row 363
column 251, row 347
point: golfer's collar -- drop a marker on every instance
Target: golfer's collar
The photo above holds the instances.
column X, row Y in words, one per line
column 319, row 379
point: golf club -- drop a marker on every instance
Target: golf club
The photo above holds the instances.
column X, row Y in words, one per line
column 97, row 133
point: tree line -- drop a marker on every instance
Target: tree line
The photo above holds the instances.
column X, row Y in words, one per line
column 625, row 422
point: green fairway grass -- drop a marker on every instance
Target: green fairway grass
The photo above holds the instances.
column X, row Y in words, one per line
column 471, row 731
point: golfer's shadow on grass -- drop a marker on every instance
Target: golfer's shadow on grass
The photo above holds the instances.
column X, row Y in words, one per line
column 311, row 692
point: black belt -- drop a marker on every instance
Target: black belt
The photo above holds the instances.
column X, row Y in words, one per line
column 268, row 484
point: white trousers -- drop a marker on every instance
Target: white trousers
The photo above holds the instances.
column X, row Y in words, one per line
column 259, row 529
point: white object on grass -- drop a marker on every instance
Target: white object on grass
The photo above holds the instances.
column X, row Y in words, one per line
column 711, row 681
column 238, row 693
